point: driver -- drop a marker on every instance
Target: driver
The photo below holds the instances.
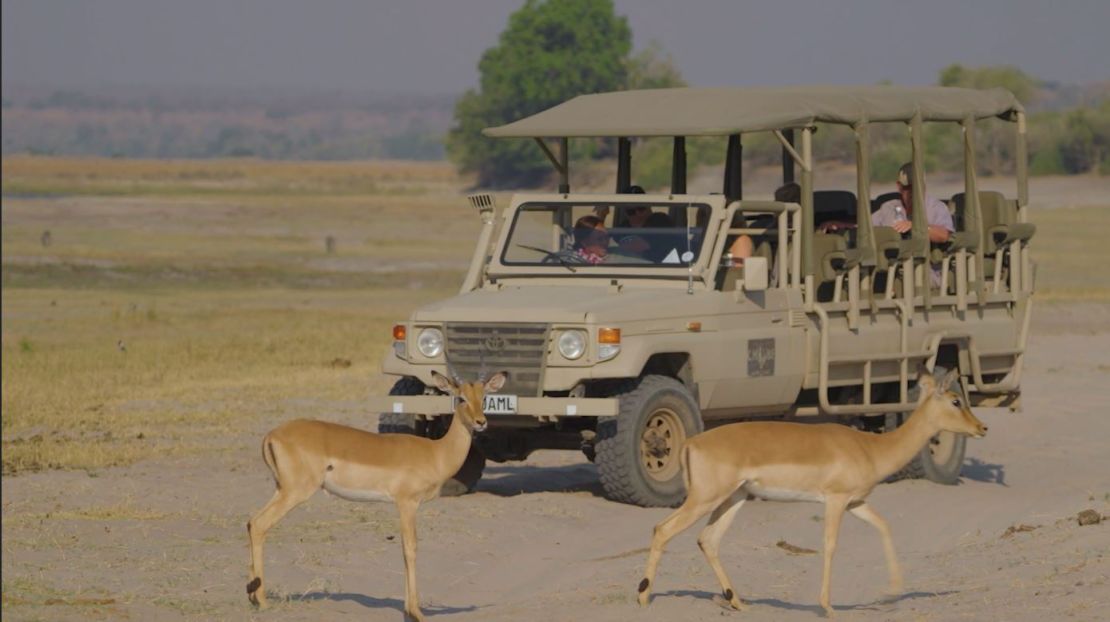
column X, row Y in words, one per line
column 591, row 240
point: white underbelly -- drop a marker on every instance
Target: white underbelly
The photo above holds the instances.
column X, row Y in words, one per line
column 782, row 494
column 355, row 494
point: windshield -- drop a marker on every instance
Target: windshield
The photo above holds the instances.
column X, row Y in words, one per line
column 628, row 234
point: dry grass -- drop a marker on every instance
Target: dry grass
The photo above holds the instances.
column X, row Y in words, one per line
column 154, row 324
column 179, row 301
column 193, row 365
column 1071, row 253
column 219, row 178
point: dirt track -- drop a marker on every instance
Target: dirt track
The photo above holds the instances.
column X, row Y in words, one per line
column 165, row 540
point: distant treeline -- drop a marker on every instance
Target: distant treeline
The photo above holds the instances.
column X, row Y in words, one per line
column 203, row 123
column 1068, row 133
column 1069, row 126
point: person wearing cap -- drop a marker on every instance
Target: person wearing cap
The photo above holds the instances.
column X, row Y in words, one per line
column 897, row 214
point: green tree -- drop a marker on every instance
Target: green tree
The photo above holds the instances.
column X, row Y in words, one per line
column 995, row 151
column 653, row 68
column 1023, row 86
column 550, row 51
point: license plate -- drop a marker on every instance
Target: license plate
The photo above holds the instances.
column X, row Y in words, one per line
column 499, row 404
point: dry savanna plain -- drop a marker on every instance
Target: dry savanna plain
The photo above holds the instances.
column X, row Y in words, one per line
column 159, row 317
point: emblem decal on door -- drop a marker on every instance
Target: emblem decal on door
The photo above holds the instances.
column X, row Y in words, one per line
column 761, row 357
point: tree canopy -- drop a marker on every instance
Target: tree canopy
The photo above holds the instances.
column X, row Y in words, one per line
column 550, row 51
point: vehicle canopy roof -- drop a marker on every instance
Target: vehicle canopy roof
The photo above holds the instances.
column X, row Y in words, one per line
column 719, row 111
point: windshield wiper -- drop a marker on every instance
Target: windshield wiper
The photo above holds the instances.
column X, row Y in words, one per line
column 550, row 255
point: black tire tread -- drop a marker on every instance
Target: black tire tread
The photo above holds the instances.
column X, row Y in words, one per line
column 400, row 423
column 616, row 443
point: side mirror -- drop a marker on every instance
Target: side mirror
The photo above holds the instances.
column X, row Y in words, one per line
column 755, row 274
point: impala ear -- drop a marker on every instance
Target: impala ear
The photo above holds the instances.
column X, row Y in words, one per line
column 925, row 380
column 498, row 380
column 949, row 378
column 445, row 384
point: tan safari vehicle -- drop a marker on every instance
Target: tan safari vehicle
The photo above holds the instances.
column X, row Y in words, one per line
column 652, row 335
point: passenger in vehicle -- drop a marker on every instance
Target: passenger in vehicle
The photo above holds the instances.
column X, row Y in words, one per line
column 896, row 214
column 638, row 243
column 621, row 217
column 789, row 192
column 652, row 246
column 743, row 246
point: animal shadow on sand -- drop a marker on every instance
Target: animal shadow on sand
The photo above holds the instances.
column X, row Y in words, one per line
column 375, row 603
column 513, row 480
column 877, row 605
column 976, row 469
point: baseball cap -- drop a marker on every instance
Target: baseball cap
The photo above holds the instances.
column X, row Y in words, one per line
column 905, row 175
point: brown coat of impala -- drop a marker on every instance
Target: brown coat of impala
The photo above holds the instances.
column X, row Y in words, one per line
column 306, row 455
column 781, row 461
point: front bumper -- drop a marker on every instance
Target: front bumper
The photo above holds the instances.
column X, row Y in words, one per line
column 539, row 407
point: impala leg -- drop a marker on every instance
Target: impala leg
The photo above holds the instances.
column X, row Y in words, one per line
column 868, row 515
column 278, row 506
column 834, row 512
column 408, row 545
column 687, row 514
column 710, row 541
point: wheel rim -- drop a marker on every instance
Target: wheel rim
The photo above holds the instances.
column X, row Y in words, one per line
column 660, row 441
column 942, row 447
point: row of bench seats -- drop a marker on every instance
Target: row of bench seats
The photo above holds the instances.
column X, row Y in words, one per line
column 835, row 252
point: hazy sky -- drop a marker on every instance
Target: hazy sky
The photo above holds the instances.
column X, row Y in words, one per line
column 433, row 46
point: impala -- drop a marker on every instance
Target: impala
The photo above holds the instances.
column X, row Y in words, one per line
column 781, row 461
column 305, row 456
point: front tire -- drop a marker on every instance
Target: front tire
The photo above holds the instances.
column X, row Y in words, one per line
column 638, row 451
column 466, row 480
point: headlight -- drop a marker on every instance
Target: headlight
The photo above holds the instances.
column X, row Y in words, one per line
column 430, row 342
column 572, row 344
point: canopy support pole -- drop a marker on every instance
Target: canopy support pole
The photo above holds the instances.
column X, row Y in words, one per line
column 1021, row 171
column 624, row 165
column 788, row 151
column 973, row 210
column 678, row 166
column 733, row 189
column 808, row 264
column 789, row 156
column 564, row 168
column 920, row 221
column 865, row 238
column 560, row 162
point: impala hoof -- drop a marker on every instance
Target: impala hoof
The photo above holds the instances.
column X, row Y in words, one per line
column 644, row 596
column 728, row 601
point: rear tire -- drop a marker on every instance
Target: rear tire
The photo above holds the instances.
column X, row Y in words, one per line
column 399, row 423
column 638, row 451
column 942, row 458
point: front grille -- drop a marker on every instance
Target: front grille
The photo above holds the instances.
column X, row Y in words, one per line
column 478, row 350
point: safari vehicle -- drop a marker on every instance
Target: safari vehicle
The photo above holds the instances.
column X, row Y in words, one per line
column 627, row 357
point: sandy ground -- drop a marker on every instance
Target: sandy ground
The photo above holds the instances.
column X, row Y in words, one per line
column 165, row 540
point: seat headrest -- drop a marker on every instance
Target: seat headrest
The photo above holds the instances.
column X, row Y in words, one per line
column 839, row 205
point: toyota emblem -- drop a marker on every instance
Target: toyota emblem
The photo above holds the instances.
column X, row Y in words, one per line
column 494, row 343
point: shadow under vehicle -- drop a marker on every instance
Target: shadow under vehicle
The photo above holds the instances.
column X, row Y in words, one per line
column 625, row 357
